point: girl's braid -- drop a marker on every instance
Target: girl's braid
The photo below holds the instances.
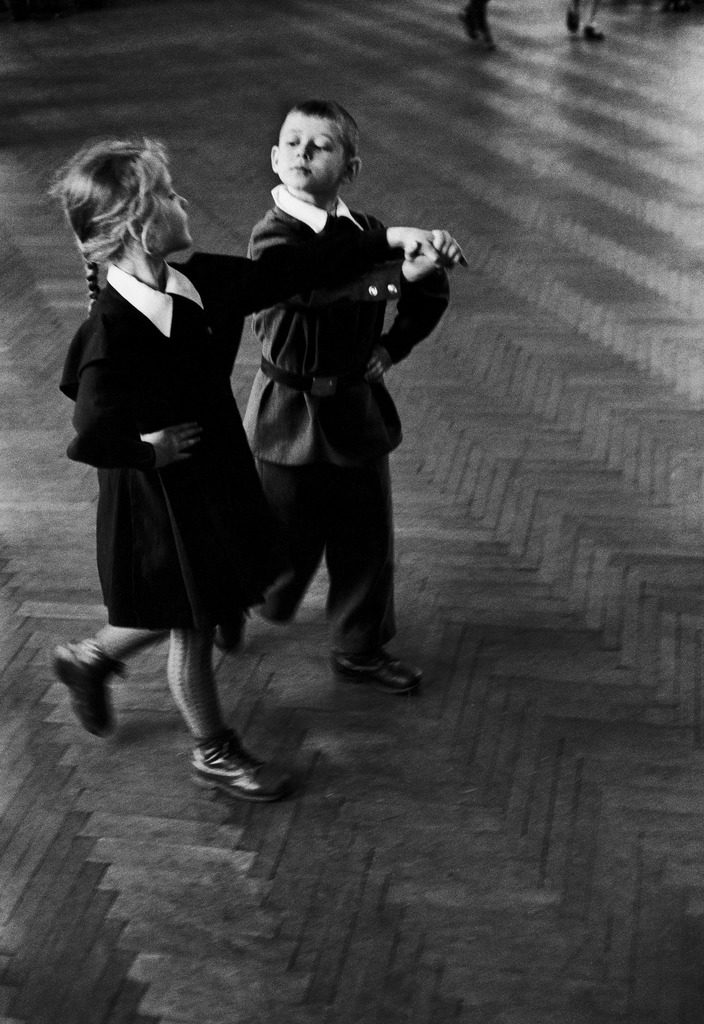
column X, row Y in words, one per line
column 92, row 281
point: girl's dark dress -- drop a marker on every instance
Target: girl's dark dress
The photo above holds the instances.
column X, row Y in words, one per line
column 194, row 543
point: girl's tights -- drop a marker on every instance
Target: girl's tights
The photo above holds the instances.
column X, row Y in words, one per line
column 189, row 671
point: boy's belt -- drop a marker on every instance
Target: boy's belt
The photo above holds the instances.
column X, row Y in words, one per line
column 322, row 387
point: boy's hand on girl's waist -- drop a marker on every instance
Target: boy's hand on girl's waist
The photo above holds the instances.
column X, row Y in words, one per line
column 379, row 362
column 173, row 444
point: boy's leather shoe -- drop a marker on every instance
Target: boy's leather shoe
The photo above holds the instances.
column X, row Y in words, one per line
column 85, row 675
column 379, row 670
column 223, row 764
column 467, row 18
column 229, row 635
column 593, row 33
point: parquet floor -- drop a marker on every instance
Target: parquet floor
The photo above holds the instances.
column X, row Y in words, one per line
column 523, row 843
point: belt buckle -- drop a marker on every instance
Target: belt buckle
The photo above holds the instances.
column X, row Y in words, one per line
column 323, row 387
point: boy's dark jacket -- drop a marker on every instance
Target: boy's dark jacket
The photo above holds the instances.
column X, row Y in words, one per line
column 192, row 543
column 331, row 333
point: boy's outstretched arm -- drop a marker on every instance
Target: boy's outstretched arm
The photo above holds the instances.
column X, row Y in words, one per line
column 286, row 260
column 338, row 257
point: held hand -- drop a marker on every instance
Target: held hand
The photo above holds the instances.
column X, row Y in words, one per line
column 418, row 267
column 379, row 363
column 448, row 249
column 437, row 248
column 173, row 444
column 445, row 252
column 412, row 240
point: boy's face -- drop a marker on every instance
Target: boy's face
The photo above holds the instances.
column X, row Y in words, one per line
column 310, row 159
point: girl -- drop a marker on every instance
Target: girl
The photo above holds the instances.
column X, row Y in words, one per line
column 185, row 539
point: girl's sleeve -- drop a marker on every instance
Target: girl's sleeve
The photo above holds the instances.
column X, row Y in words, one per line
column 287, row 264
column 107, row 435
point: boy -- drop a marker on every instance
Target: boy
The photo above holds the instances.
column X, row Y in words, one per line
column 474, row 17
column 319, row 419
column 591, row 29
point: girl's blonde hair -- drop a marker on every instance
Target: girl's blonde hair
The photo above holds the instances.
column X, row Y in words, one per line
column 108, row 193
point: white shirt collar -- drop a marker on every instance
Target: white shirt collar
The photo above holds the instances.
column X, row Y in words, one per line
column 311, row 215
column 158, row 307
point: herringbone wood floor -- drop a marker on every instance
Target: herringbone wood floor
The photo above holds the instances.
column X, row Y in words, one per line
column 524, row 843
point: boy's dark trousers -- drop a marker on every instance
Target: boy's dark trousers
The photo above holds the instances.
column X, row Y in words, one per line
column 346, row 514
column 475, row 16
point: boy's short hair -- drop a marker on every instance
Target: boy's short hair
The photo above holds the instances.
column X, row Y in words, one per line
column 329, row 110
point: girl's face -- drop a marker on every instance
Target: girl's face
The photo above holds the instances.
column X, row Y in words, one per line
column 310, row 159
column 168, row 230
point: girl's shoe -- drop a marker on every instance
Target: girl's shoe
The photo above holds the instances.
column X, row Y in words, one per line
column 223, row 764
column 84, row 669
